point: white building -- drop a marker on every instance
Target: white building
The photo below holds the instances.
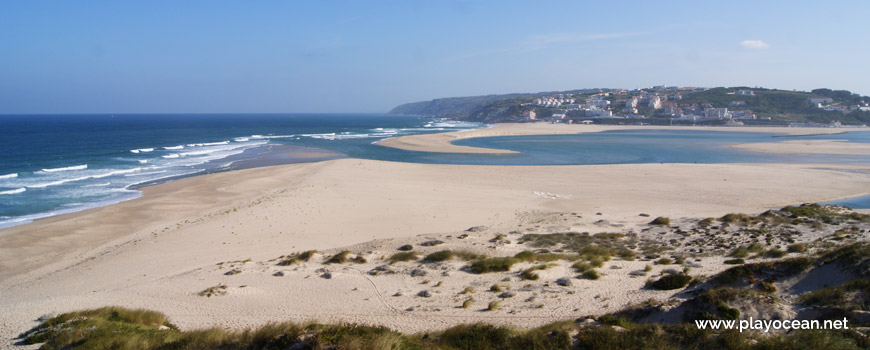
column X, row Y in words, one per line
column 716, row 113
column 745, row 92
column 821, row 100
column 530, row 115
column 655, row 102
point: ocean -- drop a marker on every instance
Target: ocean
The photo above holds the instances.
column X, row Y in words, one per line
column 54, row 164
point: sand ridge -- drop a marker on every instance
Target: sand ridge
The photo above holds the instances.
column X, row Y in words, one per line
column 442, row 142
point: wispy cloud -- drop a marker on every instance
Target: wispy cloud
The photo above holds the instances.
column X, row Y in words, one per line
column 754, row 44
column 540, row 42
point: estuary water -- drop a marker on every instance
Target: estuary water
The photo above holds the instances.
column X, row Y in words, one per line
column 53, row 164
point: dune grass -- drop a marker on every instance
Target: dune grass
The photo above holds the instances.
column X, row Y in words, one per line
column 296, row 258
column 120, row 328
column 403, row 256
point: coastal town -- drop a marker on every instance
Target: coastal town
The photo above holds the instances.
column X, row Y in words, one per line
column 636, row 105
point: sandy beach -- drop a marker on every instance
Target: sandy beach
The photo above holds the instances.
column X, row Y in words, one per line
column 442, row 142
column 160, row 250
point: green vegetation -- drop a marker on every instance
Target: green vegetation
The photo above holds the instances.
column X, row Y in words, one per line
column 403, row 256
column 743, row 252
column 493, row 265
column 853, row 295
column 528, row 256
column 439, row 256
column 582, row 266
column 213, row 291
column 737, row 261
column 661, row 220
column 529, row 274
column 774, row 253
column 590, row 275
column 706, row 222
column 467, row 303
column 737, row 219
column 493, row 305
column 119, row 328
column 664, row 261
column 671, row 281
column 781, row 105
column 296, row 258
column 851, row 254
column 445, row 255
column 797, row 248
column 751, row 272
column 344, row 257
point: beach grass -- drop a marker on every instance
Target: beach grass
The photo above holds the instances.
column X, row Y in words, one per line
column 120, row 328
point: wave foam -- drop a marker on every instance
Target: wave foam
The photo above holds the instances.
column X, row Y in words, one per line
column 256, row 137
column 17, row 190
column 82, row 178
column 208, row 144
column 9, row 176
column 54, row 170
column 174, row 147
column 142, row 150
column 173, row 155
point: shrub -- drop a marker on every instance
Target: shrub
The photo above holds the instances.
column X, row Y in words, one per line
column 741, row 219
column 493, row 305
column 439, row 256
column 529, row 274
column 339, row 258
column 739, row 252
column 672, row 281
column 591, row 274
column 727, row 312
column 735, row 261
column 492, row 265
column 774, row 253
column 661, row 220
column 664, row 261
column 468, row 290
column 218, row 290
column 297, row 258
column 528, row 256
column 581, row 266
column 403, row 256
column 797, row 248
column 467, row 303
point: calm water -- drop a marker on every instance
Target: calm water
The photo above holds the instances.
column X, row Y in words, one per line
column 63, row 163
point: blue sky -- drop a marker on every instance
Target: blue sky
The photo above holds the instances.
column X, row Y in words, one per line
column 369, row 56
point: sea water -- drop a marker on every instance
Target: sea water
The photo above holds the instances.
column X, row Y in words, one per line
column 53, row 164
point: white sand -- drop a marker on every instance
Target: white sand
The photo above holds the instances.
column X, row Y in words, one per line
column 442, row 142
column 159, row 250
column 809, row 147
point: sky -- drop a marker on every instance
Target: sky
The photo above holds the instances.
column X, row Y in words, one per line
column 370, row 56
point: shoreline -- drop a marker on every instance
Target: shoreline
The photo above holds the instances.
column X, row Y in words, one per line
column 442, row 142
column 180, row 237
column 159, row 250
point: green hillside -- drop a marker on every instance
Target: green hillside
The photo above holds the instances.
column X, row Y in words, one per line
column 782, row 106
